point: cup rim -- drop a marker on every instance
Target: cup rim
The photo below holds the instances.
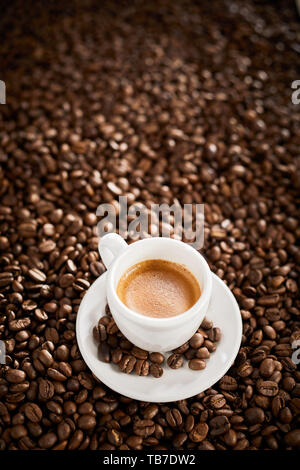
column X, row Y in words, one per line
column 164, row 321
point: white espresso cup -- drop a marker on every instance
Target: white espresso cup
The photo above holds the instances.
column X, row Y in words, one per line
column 154, row 334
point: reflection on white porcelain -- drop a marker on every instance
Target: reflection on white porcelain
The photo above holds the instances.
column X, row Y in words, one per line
column 174, row 384
column 154, row 334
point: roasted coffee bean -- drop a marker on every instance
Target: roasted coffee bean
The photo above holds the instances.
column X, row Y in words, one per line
column 139, row 353
column 76, row 440
column 150, row 411
column 127, row 364
column 214, row 334
column 267, row 388
column 206, row 324
column 114, row 437
column 37, row 275
column 190, row 354
column 199, row 432
column 104, row 352
column 197, row 364
column 142, row 367
column 230, row 438
column 217, row 401
column 144, row 428
column 18, row 431
column 203, row 353
column 196, row 341
column 102, row 333
column 33, row 412
column 174, row 418
column 112, row 328
column 292, row 438
column 135, row 442
column 156, row 370
column 46, row 390
column 63, row 431
column 219, row 425
column 179, row 440
column 189, row 423
column 48, row 440
column 267, row 367
column 45, row 357
column 156, row 358
column 210, row 345
column 254, row 415
column 86, row 422
column 175, row 361
column 116, row 356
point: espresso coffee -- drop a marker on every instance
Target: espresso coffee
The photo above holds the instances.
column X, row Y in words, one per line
column 158, row 288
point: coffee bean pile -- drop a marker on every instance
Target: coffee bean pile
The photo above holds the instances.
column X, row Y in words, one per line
column 160, row 101
column 114, row 347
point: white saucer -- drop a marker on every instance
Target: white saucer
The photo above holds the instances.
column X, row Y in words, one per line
column 174, row 384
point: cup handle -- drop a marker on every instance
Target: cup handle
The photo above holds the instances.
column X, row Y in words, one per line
column 111, row 246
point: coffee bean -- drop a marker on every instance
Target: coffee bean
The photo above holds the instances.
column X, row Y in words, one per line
column 206, row 324
column 135, row 442
column 116, row 356
column 104, row 352
column 199, row 432
column 46, row 390
column 86, row 422
column 228, row 383
column 150, row 411
column 254, row 415
column 156, row 370
column 196, row 341
column 63, row 431
column 267, row 367
column 179, row 440
column 139, row 353
column 114, row 437
column 230, row 438
column 112, row 328
column 210, row 345
column 219, row 425
column 142, row 367
column 76, row 440
column 175, row 361
column 214, row 334
column 37, row 275
column 15, row 376
column 33, row 412
column 102, row 333
column 267, row 388
column 144, row 427
column 45, row 357
column 127, row 364
column 156, row 358
column 56, row 375
column 47, row 246
column 202, row 353
column 48, row 440
column 174, row 418
column 18, row 431
column 20, row 324
column 217, row 401
column 292, row 438
column 197, row 364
